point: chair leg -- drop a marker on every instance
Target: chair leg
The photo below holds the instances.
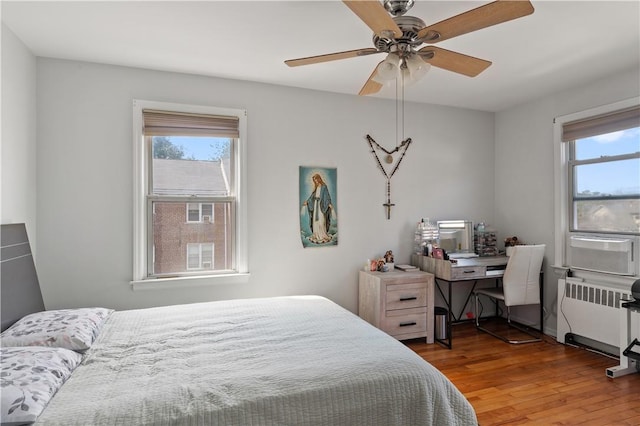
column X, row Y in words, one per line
column 510, row 324
column 477, row 310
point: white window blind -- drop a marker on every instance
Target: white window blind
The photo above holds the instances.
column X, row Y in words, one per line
column 601, row 124
column 167, row 123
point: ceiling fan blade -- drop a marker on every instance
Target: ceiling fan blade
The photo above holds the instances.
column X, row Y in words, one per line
column 371, row 86
column 475, row 19
column 375, row 16
column 453, row 61
column 331, row 57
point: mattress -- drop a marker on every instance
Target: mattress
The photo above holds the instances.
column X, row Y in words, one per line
column 273, row 361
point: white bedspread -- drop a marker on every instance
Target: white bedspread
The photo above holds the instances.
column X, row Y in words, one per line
column 275, row 361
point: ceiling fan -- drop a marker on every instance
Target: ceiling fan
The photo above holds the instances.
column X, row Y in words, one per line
column 401, row 36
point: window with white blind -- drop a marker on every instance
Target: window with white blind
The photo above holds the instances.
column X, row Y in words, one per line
column 189, row 169
column 604, row 172
column 598, row 175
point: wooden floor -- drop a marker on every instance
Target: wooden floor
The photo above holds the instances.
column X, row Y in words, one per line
column 544, row 383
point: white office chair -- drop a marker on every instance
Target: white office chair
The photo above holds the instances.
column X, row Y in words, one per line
column 520, row 286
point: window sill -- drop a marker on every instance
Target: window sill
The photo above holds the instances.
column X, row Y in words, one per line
column 182, row 282
column 622, row 282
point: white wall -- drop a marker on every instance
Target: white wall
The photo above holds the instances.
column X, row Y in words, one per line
column 84, row 181
column 84, row 184
column 524, row 159
column 84, row 163
column 18, row 143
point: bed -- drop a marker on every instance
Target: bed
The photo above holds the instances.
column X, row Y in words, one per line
column 270, row 361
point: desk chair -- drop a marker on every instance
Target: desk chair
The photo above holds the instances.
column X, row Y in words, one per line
column 520, row 286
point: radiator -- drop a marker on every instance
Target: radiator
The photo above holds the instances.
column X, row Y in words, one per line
column 589, row 310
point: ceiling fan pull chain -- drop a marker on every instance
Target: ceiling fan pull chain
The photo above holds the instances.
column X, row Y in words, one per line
column 397, row 130
column 402, row 105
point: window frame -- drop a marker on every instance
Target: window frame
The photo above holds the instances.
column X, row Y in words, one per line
column 142, row 212
column 564, row 178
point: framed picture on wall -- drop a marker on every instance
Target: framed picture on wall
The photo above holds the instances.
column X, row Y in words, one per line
column 318, row 211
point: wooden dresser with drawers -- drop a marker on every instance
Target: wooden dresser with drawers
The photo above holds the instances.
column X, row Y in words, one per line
column 399, row 303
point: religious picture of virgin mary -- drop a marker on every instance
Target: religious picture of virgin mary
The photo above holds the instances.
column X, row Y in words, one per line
column 318, row 213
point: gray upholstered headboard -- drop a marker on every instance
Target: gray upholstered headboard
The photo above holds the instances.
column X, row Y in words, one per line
column 20, row 288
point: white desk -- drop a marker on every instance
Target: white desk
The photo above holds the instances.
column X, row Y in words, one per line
column 466, row 269
column 474, row 268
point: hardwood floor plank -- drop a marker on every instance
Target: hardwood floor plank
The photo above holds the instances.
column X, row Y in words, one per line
column 544, row 383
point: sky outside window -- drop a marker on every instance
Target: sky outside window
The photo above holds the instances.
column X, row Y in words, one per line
column 201, row 148
column 618, row 178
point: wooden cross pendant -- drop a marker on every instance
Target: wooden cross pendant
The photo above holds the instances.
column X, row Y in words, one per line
column 388, row 205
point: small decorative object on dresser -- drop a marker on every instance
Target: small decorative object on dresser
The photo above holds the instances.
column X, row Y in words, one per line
column 388, row 260
column 398, row 303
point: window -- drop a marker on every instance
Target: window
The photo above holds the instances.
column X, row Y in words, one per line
column 200, row 256
column 189, row 170
column 598, row 174
column 604, row 179
column 199, row 212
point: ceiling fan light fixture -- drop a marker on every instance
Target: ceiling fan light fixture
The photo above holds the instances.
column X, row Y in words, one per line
column 407, row 78
column 388, row 69
column 417, row 67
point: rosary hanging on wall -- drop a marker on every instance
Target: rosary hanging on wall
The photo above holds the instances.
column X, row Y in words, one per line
column 404, row 145
column 388, row 158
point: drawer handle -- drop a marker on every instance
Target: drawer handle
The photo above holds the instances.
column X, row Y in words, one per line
column 408, row 324
column 469, row 272
column 404, row 299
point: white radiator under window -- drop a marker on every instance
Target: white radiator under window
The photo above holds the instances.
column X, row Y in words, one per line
column 589, row 310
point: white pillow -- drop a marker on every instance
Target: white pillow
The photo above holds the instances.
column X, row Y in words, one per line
column 29, row 377
column 74, row 329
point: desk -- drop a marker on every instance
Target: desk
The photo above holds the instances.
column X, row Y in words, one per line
column 467, row 269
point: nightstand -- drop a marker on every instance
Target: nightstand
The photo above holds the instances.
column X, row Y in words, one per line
column 398, row 303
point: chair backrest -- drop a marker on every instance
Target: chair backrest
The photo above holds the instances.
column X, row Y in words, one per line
column 521, row 281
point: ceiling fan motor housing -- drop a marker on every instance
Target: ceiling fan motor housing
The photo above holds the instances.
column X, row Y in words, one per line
column 398, row 7
column 409, row 25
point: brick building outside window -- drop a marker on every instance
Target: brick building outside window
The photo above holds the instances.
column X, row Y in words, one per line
column 190, row 236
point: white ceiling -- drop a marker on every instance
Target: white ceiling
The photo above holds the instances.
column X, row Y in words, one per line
column 561, row 45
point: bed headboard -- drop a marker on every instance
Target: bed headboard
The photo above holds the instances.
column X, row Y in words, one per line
column 20, row 288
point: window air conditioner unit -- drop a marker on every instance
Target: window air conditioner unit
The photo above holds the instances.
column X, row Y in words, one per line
column 206, row 264
column 206, row 219
column 603, row 254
